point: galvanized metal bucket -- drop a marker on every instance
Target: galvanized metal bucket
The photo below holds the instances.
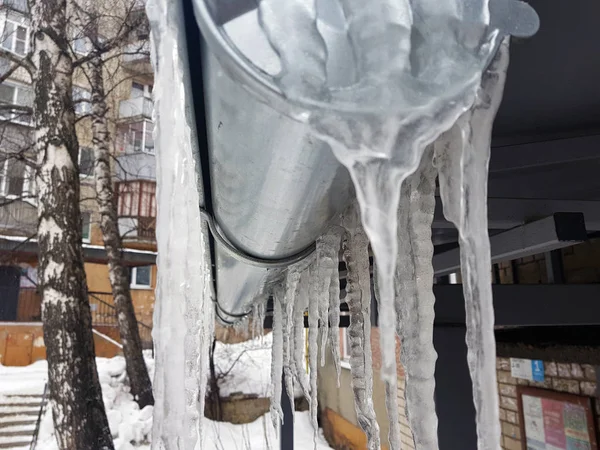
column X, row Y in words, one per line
column 274, row 187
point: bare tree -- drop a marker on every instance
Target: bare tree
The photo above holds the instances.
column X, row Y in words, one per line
column 88, row 17
column 75, row 395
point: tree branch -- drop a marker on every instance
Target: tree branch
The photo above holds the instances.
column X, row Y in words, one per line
column 18, row 61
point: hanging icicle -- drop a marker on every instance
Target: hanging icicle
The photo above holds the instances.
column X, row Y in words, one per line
column 462, row 157
column 328, row 250
column 300, row 308
column 258, row 317
column 277, row 357
column 391, row 391
column 289, row 370
column 313, row 343
column 415, row 300
column 355, row 246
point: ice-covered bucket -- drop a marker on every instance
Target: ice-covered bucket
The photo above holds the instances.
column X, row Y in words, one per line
column 274, row 185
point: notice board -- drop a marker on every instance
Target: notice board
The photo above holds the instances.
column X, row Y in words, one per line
column 555, row 421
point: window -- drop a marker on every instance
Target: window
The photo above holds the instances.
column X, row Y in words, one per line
column 19, row 95
column 29, row 191
column 82, row 101
column 15, row 37
column 86, row 161
column 86, row 226
column 141, row 277
column 18, row 5
column 137, row 137
column 137, row 199
column 16, row 179
column 141, row 90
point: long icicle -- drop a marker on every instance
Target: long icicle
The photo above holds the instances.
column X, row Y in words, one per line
column 462, row 158
column 335, row 234
column 293, row 278
column 391, row 391
column 277, row 358
column 415, row 300
column 313, row 339
column 328, row 250
column 355, row 246
column 300, row 307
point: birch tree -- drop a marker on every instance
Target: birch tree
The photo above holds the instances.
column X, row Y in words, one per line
column 89, row 18
column 75, row 395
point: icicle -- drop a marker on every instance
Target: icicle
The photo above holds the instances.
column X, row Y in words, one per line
column 334, row 318
column 328, row 249
column 358, row 296
column 291, row 27
column 462, row 158
column 299, row 337
column 313, row 344
column 289, row 369
column 277, row 357
column 184, row 314
column 415, row 300
column 258, row 317
column 391, row 391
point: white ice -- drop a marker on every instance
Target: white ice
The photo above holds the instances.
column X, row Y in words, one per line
column 462, row 157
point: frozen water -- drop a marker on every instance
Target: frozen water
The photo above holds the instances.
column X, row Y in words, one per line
column 462, row 157
column 300, row 308
column 391, row 390
column 355, row 247
column 277, row 355
column 415, row 300
column 408, row 92
column 183, row 316
column 291, row 27
column 328, row 250
column 313, row 341
column 289, row 371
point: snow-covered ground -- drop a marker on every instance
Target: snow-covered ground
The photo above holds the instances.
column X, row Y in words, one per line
column 131, row 427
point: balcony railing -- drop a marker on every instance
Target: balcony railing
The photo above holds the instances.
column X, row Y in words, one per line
column 17, row 5
column 137, row 52
column 137, row 227
column 136, row 107
column 105, row 314
column 29, row 309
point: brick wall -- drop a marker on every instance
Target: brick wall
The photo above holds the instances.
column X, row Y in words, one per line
column 405, row 431
column 579, row 379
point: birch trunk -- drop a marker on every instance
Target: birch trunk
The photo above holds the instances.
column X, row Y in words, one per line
column 141, row 387
column 75, row 394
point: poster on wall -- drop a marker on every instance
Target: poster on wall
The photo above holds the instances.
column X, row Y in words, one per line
column 555, row 421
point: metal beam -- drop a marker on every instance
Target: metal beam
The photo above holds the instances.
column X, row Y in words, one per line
column 507, row 213
column 551, row 233
column 526, row 304
column 544, row 153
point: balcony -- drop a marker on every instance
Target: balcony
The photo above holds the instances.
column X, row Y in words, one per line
column 16, row 5
column 140, row 107
column 136, row 228
column 136, row 57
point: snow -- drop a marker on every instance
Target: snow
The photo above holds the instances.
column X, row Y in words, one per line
column 131, row 427
column 252, row 366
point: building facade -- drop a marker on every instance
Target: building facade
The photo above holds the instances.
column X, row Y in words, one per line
column 128, row 82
